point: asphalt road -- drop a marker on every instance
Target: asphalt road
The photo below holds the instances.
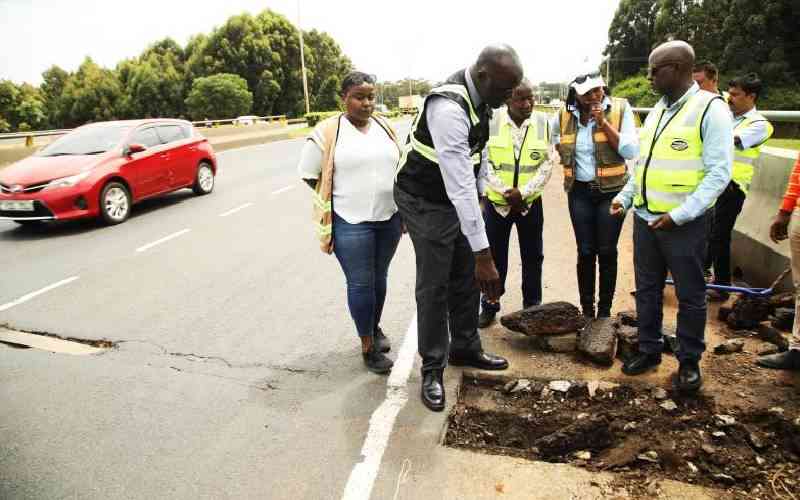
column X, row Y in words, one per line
column 237, row 372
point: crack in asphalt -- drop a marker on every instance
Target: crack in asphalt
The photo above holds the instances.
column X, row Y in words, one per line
column 100, row 343
column 266, row 386
column 190, row 356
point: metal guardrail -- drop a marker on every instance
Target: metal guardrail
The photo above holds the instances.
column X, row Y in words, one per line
column 29, row 136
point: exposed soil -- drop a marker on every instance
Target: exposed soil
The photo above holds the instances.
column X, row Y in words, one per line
column 631, row 430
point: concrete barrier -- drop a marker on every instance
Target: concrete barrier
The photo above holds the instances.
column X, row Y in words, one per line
column 752, row 251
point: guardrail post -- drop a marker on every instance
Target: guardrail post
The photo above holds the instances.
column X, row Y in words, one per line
column 28, row 141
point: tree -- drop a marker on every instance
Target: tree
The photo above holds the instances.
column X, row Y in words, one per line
column 391, row 91
column 219, row 96
column 91, row 94
column 637, row 91
column 631, row 37
column 328, row 67
column 53, row 81
column 154, row 83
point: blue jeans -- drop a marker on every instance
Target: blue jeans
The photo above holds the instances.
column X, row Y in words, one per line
column 596, row 235
column 529, row 232
column 364, row 251
column 680, row 251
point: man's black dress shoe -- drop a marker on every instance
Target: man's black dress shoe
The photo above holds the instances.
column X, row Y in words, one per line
column 689, row 378
column 789, row 360
column 478, row 359
column 640, row 363
column 433, row 390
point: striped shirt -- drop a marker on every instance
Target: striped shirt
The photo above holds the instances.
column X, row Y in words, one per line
column 792, row 197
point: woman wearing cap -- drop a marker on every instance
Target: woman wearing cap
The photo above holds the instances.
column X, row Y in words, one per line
column 349, row 161
column 594, row 134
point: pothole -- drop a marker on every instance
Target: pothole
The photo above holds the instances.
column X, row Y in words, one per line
column 51, row 342
column 642, row 432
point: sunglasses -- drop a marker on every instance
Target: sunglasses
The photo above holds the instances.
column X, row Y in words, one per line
column 582, row 78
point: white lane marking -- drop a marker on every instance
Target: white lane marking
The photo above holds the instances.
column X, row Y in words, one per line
column 234, row 210
column 162, row 240
column 362, row 478
column 283, row 190
column 31, row 295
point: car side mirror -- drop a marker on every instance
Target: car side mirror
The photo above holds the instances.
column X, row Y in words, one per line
column 134, row 148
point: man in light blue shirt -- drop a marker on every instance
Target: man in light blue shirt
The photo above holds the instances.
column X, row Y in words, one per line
column 675, row 241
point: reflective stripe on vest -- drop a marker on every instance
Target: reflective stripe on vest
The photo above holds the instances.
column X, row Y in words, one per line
column 502, row 158
column 745, row 159
column 673, row 167
column 603, row 150
column 428, row 152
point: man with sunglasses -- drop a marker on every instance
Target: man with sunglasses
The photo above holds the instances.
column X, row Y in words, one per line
column 685, row 163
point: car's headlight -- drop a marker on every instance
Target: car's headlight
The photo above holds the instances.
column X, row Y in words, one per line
column 67, row 181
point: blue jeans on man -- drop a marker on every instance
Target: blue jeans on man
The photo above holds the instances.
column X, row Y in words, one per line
column 531, row 249
column 681, row 251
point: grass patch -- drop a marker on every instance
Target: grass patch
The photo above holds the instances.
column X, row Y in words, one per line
column 784, row 143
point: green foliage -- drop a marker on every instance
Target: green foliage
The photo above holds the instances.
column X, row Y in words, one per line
column 4, row 125
column 739, row 36
column 637, row 91
column 21, row 104
column 780, row 98
column 219, row 96
column 91, row 94
column 312, row 119
column 391, row 91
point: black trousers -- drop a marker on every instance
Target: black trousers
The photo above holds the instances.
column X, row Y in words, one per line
column 596, row 235
column 725, row 212
column 447, row 295
column 680, row 251
column 529, row 234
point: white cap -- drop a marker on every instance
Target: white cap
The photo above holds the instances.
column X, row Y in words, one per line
column 592, row 81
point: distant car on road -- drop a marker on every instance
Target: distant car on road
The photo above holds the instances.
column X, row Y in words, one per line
column 246, row 120
column 103, row 169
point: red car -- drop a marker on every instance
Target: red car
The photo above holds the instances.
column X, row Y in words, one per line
column 103, row 169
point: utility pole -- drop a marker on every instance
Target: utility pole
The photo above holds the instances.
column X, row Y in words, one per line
column 302, row 60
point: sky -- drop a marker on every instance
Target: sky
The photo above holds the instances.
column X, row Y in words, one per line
column 555, row 39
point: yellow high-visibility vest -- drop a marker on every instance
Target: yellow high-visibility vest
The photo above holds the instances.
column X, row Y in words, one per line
column 516, row 171
column 671, row 165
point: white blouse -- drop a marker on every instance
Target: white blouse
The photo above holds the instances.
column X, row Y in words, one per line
column 363, row 175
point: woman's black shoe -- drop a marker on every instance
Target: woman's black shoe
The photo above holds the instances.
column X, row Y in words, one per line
column 381, row 340
column 376, row 361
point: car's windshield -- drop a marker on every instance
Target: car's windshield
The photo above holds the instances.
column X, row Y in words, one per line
column 90, row 140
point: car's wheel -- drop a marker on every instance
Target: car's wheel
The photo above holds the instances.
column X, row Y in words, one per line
column 115, row 203
column 203, row 179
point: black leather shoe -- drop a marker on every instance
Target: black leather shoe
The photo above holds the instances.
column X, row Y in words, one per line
column 689, row 378
column 641, row 363
column 478, row 359
column 376, row 361
column 603, row 313
column 789, row 360
column 381, row 341
column 486, row 318
column 433, row 390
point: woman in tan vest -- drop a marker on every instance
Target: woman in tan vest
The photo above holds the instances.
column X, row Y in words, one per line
column 349, row 160
column 594, row 134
